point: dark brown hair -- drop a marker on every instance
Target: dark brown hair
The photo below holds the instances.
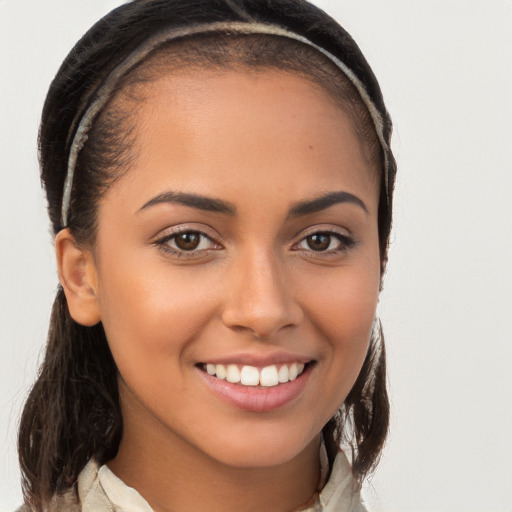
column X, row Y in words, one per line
column 73, row 411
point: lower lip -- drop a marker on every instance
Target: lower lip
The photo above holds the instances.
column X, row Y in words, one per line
column 257, row 398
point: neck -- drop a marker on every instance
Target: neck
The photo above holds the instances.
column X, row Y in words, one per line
column 172, row 475
column 179, row 480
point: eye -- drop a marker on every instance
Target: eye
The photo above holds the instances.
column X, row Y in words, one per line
column 318, row 242
column 186, row 243
column 325, row 242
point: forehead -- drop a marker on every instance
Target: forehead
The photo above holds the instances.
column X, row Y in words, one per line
column 277, row 94
column 255, row 54
column 197, row 129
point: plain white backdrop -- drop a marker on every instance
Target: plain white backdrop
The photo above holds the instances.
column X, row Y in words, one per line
column 445, row 67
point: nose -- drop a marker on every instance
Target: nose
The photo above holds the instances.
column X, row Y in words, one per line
column 260, row 299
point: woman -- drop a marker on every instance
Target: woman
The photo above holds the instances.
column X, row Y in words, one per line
column 220, row 182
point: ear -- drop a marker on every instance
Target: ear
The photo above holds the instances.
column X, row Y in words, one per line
column 79, row 279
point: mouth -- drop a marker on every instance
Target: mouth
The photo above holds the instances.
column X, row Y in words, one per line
column 258, row 383
column 253, row 376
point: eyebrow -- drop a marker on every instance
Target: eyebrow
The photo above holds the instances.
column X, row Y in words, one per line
column 323, row 202
column 209, row 204
column 219, row 206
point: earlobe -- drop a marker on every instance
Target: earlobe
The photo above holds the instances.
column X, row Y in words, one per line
column 78, row 277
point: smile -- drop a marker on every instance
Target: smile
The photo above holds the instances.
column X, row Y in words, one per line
column 268, row 376
column 257, row 388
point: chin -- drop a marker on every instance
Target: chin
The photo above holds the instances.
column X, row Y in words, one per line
column 267, row 447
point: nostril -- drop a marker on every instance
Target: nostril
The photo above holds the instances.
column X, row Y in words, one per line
column 261, row 325
column 259, row 299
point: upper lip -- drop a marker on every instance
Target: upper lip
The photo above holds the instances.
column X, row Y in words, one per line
column 259, row 360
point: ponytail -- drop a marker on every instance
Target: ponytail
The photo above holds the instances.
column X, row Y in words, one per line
column 72, row 411
column 361, row 424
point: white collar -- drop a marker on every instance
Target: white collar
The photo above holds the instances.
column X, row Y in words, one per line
column 100, row 489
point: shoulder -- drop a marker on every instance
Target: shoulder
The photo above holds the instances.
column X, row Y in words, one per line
column 67, row 502
column 342, row 493
column 70, row 500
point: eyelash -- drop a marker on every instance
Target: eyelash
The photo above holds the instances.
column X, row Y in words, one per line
column 345, row 242
column 163, row 243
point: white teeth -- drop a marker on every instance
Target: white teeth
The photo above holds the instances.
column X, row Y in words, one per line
column 220, row 371
column 283, row 374
column 268, row 376
column 250, row 376
column 294, row 371
column 233, row 374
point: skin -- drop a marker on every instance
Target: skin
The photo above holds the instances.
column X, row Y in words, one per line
column 263, row 142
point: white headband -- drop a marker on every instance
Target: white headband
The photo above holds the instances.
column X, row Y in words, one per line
column 111, row 82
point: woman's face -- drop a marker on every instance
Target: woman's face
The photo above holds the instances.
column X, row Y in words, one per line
column 242, row 244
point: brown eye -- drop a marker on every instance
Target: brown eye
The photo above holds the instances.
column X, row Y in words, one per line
column 193, row 244
column 326, row 242
column 319, row 241
column 188, row 241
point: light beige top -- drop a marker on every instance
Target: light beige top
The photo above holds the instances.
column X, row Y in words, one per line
column 100, row 490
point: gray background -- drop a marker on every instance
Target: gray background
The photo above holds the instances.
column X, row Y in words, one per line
column 445, row 67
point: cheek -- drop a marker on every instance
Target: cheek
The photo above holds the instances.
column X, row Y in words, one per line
column 341, row 311
column 343, row 306
column 152, row 317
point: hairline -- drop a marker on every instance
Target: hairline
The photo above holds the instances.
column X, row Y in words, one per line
column 185, row 55
column 182, row 55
